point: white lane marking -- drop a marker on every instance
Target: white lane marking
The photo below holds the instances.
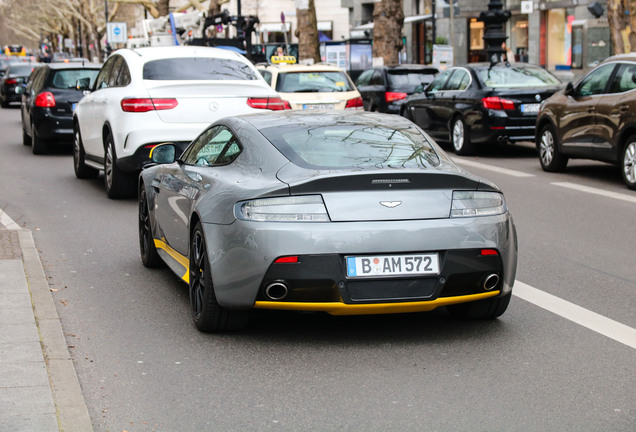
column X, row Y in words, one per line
column 593, row 321
column 7, row 221
column 491, row 168
column 596, row 191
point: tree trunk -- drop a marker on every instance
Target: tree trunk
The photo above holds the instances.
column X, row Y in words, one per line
column 617, row 24
column 163, row 6
column 388, row 18
column 307, row 31
column 215, row 6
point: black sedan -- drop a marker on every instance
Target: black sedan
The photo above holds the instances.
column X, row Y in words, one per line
column 49, row 99
column 482, row 103
column 384, row 88
column 14, row 78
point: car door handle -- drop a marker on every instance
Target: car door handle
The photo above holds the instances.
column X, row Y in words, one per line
column 591, row 109
column 624, row 108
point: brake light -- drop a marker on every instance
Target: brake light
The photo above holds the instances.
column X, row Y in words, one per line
column 497, row 103
column 270, row 103
column 11, row 81
column 45, row 100
column 355, row 104
column 393, row 96
column 147, row 104
column 489, row 252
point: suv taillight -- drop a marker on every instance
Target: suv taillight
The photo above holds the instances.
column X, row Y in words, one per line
column 355, row 104
column 45, row 100
column 147, row 104
column 11, row 81
column 393, row 96
column 270, row 103
column 497, row 103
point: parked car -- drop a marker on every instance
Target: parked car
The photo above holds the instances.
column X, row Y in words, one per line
column 15, row 76
column 5, row 61
column 384, row 88
column 15, row 50
column 48, row 102
column 318, row 86
column 146, row 96
column 343, row 212
column 482, row 103
column 593, row 119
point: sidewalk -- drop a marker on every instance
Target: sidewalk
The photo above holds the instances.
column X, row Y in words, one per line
column 39, row 389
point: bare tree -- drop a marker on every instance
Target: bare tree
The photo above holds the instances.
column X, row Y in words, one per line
column 622, row 25
column 307, row 31
column 388, row 18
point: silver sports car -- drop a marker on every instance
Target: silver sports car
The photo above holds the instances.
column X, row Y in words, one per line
column 341, row 212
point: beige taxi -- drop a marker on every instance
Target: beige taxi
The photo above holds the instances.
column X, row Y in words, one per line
column 319, row 86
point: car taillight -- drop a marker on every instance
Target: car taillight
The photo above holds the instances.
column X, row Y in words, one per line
column 45, row 100
column 270, row 103
column 11, row 81
column 497, row 103
column 355, row 104
column 393, row 96
column 147, row 104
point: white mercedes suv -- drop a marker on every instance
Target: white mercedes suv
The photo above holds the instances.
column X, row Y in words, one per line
column 146, row 96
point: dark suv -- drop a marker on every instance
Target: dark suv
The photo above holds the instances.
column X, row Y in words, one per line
column 49, row 99
column 384, row 88
column 593, row 119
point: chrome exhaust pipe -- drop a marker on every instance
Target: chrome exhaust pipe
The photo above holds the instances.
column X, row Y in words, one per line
column 276, row 290
column 491, row 281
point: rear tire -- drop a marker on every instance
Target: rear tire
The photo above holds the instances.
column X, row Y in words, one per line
column 478, row 310
column 549, row 156
column 460, row 138
column 207, row 314
column 118, row 184
column 149, row 256
column 38, row 145
column 82, row 171
column 26, row 139
column 628, row 163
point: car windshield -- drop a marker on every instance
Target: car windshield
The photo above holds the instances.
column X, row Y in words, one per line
column 346, row 146
column 20, row 70
column 409, row 78
column 516, row 77
column 198, row 68
column 319, row 81
column 65, row 79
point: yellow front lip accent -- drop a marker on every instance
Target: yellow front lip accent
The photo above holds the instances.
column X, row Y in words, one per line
column 334, row 308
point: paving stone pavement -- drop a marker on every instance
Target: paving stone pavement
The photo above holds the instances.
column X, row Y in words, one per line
column 39, row 389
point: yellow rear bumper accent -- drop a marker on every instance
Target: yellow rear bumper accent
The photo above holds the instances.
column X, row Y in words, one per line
column 334, row 308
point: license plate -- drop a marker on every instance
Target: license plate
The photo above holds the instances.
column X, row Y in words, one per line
column 392, row 265
column 529, row 108
column 318, row 106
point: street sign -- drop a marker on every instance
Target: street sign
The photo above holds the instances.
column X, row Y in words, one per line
column 526, row 7
column 117, row 32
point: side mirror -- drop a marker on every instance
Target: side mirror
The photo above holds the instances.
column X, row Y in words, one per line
column 20, row 90
column 165, row 153
column 83, row 84
column 569, row 89
column 419, row 88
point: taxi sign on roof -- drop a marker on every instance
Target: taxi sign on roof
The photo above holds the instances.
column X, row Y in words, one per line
column 283, row 59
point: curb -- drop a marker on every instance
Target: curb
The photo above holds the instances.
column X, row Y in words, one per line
column 71, row 410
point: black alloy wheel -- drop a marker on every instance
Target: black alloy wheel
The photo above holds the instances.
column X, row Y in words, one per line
column 149, row 255
column 38, row 145
column 549, row 156
column 207, row 314
column 82, row 171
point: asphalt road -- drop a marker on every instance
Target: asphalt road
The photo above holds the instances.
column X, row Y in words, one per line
column 144, row 367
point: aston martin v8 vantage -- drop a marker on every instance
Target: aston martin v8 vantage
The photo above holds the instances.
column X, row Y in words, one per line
column 340, row 212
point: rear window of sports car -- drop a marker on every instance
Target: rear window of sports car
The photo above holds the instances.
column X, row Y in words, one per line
column 198, row 68
column 353, row 146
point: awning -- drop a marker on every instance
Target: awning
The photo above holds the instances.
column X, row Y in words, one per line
column 407, row 20
column 273, row 27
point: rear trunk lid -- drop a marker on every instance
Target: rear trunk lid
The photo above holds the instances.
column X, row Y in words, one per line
column 205, row 101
